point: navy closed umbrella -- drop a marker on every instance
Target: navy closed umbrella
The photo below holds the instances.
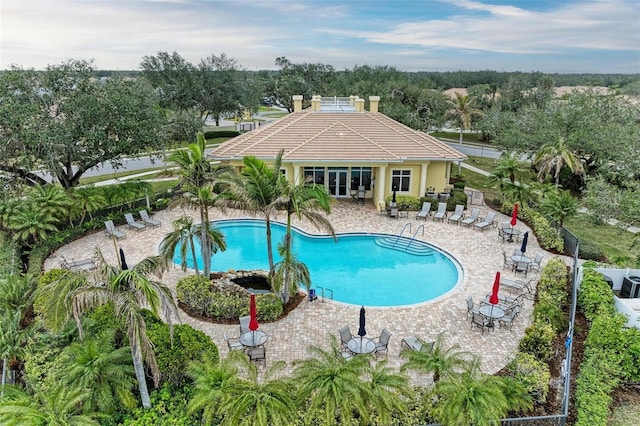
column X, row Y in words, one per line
column 361, row 330
column 525, row 238
column 123, row 262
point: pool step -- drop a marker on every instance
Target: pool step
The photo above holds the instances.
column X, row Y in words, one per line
column 404, row 244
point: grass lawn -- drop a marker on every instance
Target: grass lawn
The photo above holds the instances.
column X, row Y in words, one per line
column 613, row 242
column 625, row 415
column 94, row 179
column 484, row 163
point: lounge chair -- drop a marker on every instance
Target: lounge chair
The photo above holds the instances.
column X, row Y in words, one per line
column 244, row 323
column 517, row 286
column 486, row 222
column 425, row 211
column 147, row 220
column 505, row 303
column 509, row 317
column 233, row 343
column 258, row 355
column 345, row 337
column 111, row 230
column 441, row 213
column 131, row 222
column 416, row 344
column 479, row 320
column 382, row 343
column 456, row 217
column 469, row 220
column 78, row 265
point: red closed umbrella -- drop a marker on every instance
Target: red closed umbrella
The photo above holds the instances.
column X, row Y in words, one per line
column 514, row 215
column 253, row 313
column 496, row 287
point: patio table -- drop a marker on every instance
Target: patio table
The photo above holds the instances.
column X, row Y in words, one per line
column 252, row 339
column 492, row 312
column 361, row 345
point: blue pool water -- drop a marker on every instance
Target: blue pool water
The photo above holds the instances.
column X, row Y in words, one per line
column 356, row 268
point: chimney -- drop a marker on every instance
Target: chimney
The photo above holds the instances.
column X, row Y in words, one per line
column 297, row 103
column 359, row 105
column 315, row 102
column 373, row 103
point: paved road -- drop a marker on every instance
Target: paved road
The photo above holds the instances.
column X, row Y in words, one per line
column 475, row 151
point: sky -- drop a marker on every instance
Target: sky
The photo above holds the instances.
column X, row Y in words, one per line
column 550, row 36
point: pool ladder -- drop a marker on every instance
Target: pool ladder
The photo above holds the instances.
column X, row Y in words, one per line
column 322, row 290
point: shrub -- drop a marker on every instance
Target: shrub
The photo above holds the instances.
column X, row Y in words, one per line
column 548, row 236
column 538, row 341
column 534, row 375
column 169, row 406
column 459, row 185
column 195, row 292
column 457, row 197
column 595, row 296
column 212, row 134
column 590, row 251
column 406, row 202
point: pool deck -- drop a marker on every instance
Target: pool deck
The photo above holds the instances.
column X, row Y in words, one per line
column 479, row 253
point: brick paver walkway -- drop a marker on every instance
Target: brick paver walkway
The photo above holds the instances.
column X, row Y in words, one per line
column 479, row 253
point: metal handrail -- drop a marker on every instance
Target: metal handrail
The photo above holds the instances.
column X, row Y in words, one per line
column 402, row 232
column 322, row 293
column 414, row 235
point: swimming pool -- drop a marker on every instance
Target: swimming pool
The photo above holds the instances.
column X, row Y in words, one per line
column 360, row 269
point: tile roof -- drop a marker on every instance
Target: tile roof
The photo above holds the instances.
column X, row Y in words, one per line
column 337, row 137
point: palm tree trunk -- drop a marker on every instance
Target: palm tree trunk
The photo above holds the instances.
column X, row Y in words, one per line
column 193, row 254
column 460, row 142
column 204, row 239
column 138, row 366
column 269, row 248
column 4, row 375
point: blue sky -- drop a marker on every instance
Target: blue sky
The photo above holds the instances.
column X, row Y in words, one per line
column 563, row 36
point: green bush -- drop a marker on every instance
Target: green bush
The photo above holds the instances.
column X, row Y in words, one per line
column 457, row 197
column 534, row 375
column 595, row 296
column 168, row 407
column 212, row 134
column 538, row 341
column 548, row 236
column 406, row 202
column 590, row 251
column 195, row 292
column 459, row 185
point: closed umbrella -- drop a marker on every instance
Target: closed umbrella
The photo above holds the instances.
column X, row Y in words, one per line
column 496, row 288
column 393, row 197
column 123, row 262
column 253, row 313
column 361, row 330
column 525, row 239
column 514, row 215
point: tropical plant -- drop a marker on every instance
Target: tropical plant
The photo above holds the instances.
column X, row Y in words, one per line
column 558, row 206
column 103, row 371
column 29, row 225
column 14, row 342
column 440, row 361
column 462, row 108
column 552, row 157
column 387, row 389
column 86, row 199
column 509, row 166
column 211, row 379
column 198, row 181
column 332, row 385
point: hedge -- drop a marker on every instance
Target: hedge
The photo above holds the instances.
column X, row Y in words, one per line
column 212, row 134
column 548, row 236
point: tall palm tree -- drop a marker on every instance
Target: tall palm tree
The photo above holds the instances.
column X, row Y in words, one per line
column 463, row 109
column 559, row 205
column 184, row 233
column 333, row 385
column 198, row 182
column 440, row 361
column 552, row 157
column 256, row 189
column 106, row 372
column 61, row 406
column 130, row 291
column 304, row 201
column 472, row 397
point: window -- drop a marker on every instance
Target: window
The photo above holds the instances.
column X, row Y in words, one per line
column 314, row 174
column 401, row 180
column 361, row 176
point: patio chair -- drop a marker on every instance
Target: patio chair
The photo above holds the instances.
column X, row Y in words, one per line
column 536, row 262
column 507, row 261
column 486, row 222
column 502, row 234
column 509, row 317
column 257, row 355
column 361, row 193
column 425, row 211
column 456, row 217
column 382, row 343
column 131, row 222
column 471, row 308
column 416, row 344
column 233, row 343
column 479, row 320
column 147, row 220
column 521, row 267
column 393, row 212
column 111, row 230
column 345, row 337
column 472, row 218
column 441, row 213
column 244, row 323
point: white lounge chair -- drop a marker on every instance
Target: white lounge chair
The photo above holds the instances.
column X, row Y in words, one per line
column 131, row 222
column 486, row 222
column 425, row 211
column 147, row 220
column 469, row 220
column 441, row 213
column 456, row 217
column 111, row 230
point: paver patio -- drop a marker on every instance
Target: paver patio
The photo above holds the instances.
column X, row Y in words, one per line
column 479, row 253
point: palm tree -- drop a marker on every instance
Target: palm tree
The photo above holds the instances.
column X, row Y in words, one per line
column 472, row 397
column 61, row 406
column 463, row 109
column 306, row 201
column 184, row 233
column 29, row 225
column 197, row 179
column 440, row 361
column 289, row 274
column 130, row 291
column 510, row 166
column 516, row 192
column 333, row 385
column 387, row 389
column 85, row 200
column 558, row 206
column 552, row 157
column 257, row 402
column 52, row 200
column 256, row 190
column 211, row 379
column 105, row 372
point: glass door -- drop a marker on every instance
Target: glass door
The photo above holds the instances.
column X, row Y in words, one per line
column 338, row 183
